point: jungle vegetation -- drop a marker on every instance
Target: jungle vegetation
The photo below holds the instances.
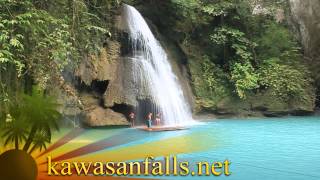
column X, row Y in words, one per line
column 39, row 39
column 239, row 49
column 235, row 51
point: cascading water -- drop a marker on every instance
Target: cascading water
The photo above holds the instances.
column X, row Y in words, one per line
column 151, row 69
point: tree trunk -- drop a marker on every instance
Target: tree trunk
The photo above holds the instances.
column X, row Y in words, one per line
column 30, row 138
column 33, row 148
column 28, row 82
column 16, row 142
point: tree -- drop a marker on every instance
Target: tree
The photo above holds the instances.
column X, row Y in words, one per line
column 42, row 115
column 40, row 140
column 31, row 120
column 14, row 130
column 40, row 40
column 285, row 81
column 244, row 78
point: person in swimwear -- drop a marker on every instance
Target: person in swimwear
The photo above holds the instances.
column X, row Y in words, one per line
column 149, row 120
column 132, row 118
column 158, row 119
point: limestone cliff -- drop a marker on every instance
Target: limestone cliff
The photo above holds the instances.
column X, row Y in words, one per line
column 305, row 18
column 106, row 86
column 105, row 92
column 98, row 75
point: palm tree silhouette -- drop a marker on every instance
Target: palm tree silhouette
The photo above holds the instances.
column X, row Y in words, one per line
column 31, row 119
column 40, row 140
column 15, row 131
column 42, row 115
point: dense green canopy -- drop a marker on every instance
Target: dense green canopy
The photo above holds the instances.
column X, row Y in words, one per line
column 236, row 49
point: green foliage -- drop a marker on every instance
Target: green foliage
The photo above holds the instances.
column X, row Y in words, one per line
column 41, row 114
column 4, row 95
column 285, row 81
column 210, row 83
column 42, row 37
column 15, row 129
column 241, row 52
column 26, row 31
column 213, row 77
column 87, row 23
column 241, row 47
column 192, row 14
column 40, row 141
column 235, row 40
column 31, row 119
column 239, row 58
column 188, row 8
column 281, row 69
column 277, row 41
column 202, row 8
column 218, row 8
column 244, row 78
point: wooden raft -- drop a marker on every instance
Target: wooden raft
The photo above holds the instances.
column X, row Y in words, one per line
column 158, row 129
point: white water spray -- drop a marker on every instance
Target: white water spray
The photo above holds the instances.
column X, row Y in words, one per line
column 151, row 67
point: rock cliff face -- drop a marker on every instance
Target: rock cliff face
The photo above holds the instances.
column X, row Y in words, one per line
column 305, row 17
column 105, row 91
column 98, row 80
column 105, row 86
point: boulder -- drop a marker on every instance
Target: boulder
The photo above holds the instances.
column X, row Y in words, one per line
column 99, row 116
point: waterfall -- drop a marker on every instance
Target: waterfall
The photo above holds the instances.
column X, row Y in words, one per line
column 151, row 69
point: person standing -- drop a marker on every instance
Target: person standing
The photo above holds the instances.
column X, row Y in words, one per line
column 158, row 119
column 132, row 117
column 149, row 120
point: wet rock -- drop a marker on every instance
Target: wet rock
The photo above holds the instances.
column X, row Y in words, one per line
column 67, row 98
column 301, row 112
column 110, row 70
column 89, row 101
column 275, row 113
column 99, row 116
column 125, row 88
column 100, row 67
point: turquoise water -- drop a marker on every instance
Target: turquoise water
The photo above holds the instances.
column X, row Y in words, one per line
column 258, row 149
column 268, row 149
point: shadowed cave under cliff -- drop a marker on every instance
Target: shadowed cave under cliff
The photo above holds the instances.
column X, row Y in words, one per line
column 98, row 87
column 144, row 107
column 123, row 109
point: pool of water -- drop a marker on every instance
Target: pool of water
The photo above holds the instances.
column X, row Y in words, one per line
column 268, row 149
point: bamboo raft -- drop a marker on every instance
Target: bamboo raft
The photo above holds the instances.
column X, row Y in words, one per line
column 161, row 128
